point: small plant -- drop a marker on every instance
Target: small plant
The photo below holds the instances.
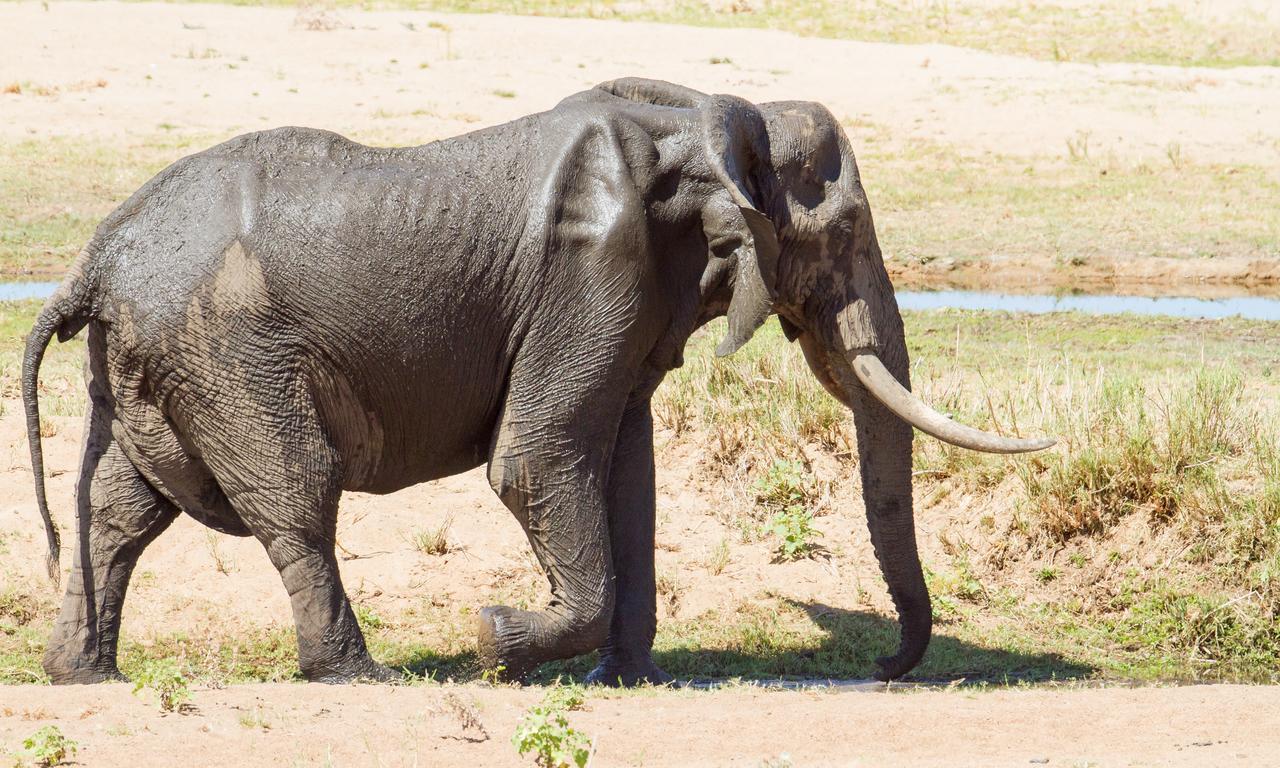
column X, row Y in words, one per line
column 254, row 720
column 220, row 561
column 48, row 747
column 794, row 526
column 368, row 618
column 165, row 678
column 503, row 93
column 669, row 590
column 1078, row 146
column 1046, row 575
column 784, row 483
column 472, row 728
column 721, row 60
column 1173, row 151
column 544, row 730
column 434, row 541
column 719, row 559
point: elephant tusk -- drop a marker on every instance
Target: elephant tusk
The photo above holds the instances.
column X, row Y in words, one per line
column 911, row 409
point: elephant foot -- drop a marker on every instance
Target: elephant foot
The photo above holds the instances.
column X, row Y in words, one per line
column 500, row 644
column 368, row 671
column 619, row 675
column 83, row 674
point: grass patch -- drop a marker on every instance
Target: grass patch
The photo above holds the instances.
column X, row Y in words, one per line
column 926, row 197
column 1168, row 428
column 54, row 191
column 1169, row 33
column 62, row 390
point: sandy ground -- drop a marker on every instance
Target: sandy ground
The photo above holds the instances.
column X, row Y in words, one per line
column 215, row 69
column 368, row 726
column 130, row 72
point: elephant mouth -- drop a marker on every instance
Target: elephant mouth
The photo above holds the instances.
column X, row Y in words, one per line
column 877, row 380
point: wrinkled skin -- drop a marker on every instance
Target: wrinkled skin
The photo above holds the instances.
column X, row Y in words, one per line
column 290, row 315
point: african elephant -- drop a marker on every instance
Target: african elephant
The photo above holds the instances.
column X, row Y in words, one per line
column 290, row 314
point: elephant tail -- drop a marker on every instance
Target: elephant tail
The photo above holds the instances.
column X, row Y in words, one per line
column 67, row 311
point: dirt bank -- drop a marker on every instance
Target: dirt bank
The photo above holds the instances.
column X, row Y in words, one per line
column 296, row 724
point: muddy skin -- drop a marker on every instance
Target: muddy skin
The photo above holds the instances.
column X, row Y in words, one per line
column 289, row 315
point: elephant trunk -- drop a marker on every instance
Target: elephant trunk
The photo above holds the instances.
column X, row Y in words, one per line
column 884, row 450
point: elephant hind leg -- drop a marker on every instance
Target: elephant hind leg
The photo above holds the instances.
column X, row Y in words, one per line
column 117, row 515
column 285, row 483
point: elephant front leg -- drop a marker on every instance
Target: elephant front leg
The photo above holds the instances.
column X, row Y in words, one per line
column 562, row 510
column 549, row 465
column 626, row 658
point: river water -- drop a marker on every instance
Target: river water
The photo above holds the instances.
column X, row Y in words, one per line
column 1251, row 307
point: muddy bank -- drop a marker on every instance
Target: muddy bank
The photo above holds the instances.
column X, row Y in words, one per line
column 1135, row 276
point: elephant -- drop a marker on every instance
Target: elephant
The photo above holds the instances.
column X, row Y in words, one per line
column 290, row 314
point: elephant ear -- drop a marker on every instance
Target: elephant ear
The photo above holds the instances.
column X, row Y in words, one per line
column 737, row 148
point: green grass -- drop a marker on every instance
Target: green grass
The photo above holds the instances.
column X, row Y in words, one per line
column 1168, row 427
column 1121, row 31
column 53, row 192
column 61, row 381
column 932, row 201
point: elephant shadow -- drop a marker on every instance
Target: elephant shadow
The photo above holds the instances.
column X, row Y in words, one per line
column 763, row 648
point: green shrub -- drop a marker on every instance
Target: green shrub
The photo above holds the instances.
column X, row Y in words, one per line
column 48, row 747
column 797, row 537
column 544, row 730
column 166, row 679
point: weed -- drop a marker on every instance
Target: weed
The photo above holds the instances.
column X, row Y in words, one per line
column 165, row 678
column 368, row 618
column 669, row 590
column 504, row 94
column 719, row 558
column 434, row 541
column 1174, row 152
column 472, row 728
column 794, row 527
column 1078, row 146
column 544, row 730
column 784, row 484
column 48, row 746
column 221, row 563
column 254, row 720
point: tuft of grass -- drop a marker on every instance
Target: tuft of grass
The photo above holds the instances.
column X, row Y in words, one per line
column 719, row 558
column 1055, row 30
column 254, row 720
column 434, row 541
column 1133, row 451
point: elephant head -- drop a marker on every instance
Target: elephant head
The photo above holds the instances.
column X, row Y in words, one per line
column 792, row 235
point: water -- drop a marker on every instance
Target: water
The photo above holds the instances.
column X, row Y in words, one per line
column 1251, row 307
column 16, row 291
